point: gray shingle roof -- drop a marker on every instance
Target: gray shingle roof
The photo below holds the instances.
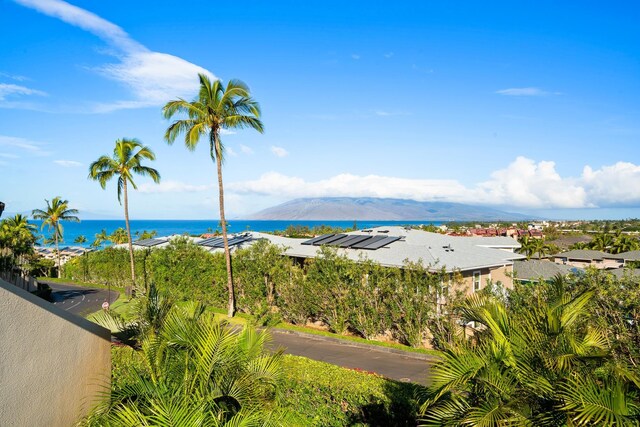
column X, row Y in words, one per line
column 432, row 249
column 534, row 270
column 583, row 254
column 627, row 256
column 624, row 272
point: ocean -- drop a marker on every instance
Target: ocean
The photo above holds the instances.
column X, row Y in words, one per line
column 89, row 228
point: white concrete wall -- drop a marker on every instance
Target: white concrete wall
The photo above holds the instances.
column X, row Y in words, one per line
column 53, row 364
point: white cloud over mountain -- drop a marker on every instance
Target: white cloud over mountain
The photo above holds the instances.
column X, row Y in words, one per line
column 523, row 183
column 152, row 77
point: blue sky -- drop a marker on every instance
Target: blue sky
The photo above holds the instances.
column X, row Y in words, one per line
column 530, row 108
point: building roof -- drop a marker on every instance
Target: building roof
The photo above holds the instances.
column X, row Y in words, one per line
column 534, row 270
column 625, row 272
column 627, row 256
column 583, row 255
column 433, row 250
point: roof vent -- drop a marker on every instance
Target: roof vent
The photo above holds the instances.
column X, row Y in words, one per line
column 383, row 231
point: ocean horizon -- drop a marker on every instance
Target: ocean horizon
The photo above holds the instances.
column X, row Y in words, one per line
column 90, row 227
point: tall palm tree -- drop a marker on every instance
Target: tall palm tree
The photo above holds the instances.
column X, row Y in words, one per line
column 216, row 108
column 100, row 238
column 57, row 210
column 126, row 161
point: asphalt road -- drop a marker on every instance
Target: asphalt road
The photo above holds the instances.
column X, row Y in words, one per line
column 79, row 300
column 403, row 367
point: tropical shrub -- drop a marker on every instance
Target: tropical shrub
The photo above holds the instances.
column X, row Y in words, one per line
column 537, row 361
column 194, row 370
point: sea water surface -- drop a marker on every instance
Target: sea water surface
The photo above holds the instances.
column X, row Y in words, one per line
column 89, row 228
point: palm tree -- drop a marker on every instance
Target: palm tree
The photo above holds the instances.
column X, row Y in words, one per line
column 119, row 236
column 80, row 239
column 100, row 238
column 126, row 161
column 57, row 210
column 540, row 364
column 216, row 108
column 199, row 371
column 17, row 238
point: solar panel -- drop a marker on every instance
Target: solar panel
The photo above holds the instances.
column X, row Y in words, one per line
column 330, row 240
column 352, row 240
column 317, row 239
column 148, row 242
column 211, row 242
column 381, row 243
column 366, row 242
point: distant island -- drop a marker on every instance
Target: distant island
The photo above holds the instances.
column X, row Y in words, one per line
column 375, row 209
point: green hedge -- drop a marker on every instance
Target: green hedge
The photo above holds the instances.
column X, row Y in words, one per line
column 325, row 395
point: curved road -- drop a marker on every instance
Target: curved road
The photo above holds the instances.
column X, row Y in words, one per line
column 79, row 300
column 401, row 366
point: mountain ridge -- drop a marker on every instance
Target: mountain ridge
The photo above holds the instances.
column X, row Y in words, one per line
column 380, row 209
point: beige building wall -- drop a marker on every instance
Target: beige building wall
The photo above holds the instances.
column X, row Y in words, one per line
column 53, row 364
column 503, row 274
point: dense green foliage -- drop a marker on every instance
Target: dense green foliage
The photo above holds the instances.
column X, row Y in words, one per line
column 314, row 393
column 17, row 237
column 540, row 356
column 194, row 370
column 363, row 297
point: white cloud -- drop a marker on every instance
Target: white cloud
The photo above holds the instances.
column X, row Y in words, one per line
column 8, row 156
column 152, row 77
column 279, row 151
column 525, row 91
column 523, row 183
column 7, row 90
column 230, row 151
column 67, row 163
column 172, row 187
column 227, row 132
column 23, row 145
column 355, row 56
column 245, row 149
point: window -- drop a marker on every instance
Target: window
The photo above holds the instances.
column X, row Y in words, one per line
column 476, row 281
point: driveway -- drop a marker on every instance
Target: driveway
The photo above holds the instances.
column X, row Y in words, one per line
column 79, row 300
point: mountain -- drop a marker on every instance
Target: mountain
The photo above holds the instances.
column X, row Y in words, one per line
column 373, row 209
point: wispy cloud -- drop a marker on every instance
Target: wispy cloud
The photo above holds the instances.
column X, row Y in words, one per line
column 67, row 163
column 152, row 77
column 355, row 56
column 524, row 183
column 23, row 145
column 7, row 90
column 172, row 187
column 525, row 91
column 9, row 156
column 382, row 113
column 245, row 149
column 279, row 151
column 15, row 77
column 230, row 151
column 388, row 55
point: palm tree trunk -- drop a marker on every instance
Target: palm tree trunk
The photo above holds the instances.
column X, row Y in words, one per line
column 227, row 253
column 55, row 236
column 126, row 220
